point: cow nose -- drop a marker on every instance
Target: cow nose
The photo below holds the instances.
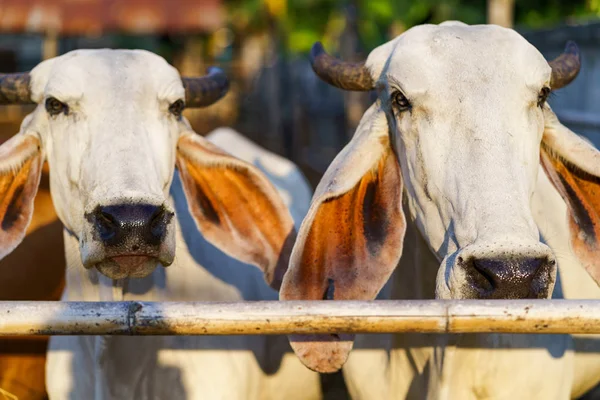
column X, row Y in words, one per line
column 510, row 278
column 144, row 224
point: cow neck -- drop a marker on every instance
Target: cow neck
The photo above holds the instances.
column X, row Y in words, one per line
column 414, row 278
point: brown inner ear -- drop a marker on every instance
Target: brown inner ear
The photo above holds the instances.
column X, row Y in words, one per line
column 17, row 190
column 353, row 245
column 346, row 240
column 232, row 210
column 581, row 192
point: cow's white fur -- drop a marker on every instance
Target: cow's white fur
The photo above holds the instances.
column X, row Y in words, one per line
column 118, row 102
column 458, row 167
column 470, row 367
column 185, row 367
column 469, row 152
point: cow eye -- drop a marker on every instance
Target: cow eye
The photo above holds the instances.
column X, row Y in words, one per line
column 400, row 101
column 55, row 107
column 543, row 96
column 177, row 108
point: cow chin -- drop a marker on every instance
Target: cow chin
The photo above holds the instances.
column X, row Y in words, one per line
column 134, row 266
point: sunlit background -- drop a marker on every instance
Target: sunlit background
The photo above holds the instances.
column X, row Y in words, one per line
column 263, row 45
column 275, row 99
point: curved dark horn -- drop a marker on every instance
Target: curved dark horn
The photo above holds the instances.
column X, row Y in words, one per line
column 14, row 88
column 565, row 67
column 345, row 75
column 205, row 90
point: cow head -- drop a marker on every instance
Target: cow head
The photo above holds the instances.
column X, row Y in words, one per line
column 109, row 123
column 458, row 130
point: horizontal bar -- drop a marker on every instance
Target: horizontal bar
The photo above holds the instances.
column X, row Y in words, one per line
column 300, row 317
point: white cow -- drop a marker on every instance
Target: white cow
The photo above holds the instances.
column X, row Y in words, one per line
column 109, row 123
column 495, row 190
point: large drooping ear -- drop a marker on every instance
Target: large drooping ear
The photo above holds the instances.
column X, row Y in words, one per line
column 573, row 167
column 21, row 162
column 351, row 239
column 235, row 206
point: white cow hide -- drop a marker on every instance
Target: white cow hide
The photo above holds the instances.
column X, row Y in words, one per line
column 185, row 367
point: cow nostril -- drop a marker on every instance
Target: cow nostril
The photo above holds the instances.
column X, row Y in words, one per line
column 158, row 222
column 515, row 278
column 135, row 226
column 106, row 224
column 106, row 219
column 157, row 216
column 486, row 280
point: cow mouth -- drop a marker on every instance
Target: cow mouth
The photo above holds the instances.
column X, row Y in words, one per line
column 133, row 261
column 128, row 266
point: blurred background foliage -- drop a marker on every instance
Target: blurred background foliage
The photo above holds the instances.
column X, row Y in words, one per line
column 305, row 21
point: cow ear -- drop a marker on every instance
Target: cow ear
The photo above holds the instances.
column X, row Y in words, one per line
column 573, row 167
column 351, row 239
column 21, row 162
column 235, row 206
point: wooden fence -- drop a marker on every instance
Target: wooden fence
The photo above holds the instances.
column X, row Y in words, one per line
column 299, row 317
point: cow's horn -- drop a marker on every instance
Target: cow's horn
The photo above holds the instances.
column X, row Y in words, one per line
column 345, row 75
column 565, row 67
column 14, row 88
column 205, row 90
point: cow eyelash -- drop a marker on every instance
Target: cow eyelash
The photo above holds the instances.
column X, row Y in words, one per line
column 400, row 102
column 543, row 96
column 55, row 107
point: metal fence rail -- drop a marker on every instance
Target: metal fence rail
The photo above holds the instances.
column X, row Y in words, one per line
column 273, row 317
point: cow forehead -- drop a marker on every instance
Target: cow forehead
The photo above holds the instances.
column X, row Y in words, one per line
column 459, row 56
column 106, row 72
